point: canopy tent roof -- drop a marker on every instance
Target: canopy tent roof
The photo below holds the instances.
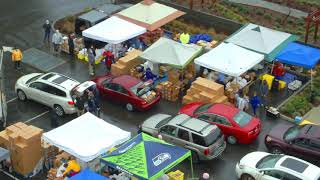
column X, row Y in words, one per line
column 86, row 137
column 110, row 9
column 298, row 54
column 234, row 64
column 146, row 157
column 114, row 30
column 150, row 16
column 93, row 16
column 167, row 51
column 88, row 175
column 261, row 39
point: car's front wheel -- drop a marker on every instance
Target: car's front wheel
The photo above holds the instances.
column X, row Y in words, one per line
column 247, row 177
column 59, row 110
column 129, row 107
column 21, row 95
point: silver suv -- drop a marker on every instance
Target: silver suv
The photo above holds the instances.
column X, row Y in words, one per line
column 205, row 140
column 50, row 89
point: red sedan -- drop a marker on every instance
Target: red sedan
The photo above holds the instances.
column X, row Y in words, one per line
column 132, row 92
column 237, row 126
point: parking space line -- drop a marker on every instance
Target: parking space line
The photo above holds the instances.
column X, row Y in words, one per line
column 35, row 117
column 8, row 174
column 12, row 99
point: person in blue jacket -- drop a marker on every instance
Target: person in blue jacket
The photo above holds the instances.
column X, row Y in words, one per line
column 255, row 102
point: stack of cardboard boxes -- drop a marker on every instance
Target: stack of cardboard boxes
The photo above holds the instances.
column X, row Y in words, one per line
column 135, row 73
column 126, row 63
column 206, row 91
column 169, row 91
column 24, row 144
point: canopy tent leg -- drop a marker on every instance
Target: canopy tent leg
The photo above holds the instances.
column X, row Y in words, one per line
column 191, row 166
column 311, row 80
column 272, row 67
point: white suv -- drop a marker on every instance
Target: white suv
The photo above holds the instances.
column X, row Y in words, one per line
column 266, row 166
column 50, row 89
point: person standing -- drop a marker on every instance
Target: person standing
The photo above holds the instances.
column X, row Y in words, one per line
column 91, row 58
column 57, row 41
column 109, row 59
column 79, row 103
column 242, row 102
column 47, row 31
column 255, row 102
column 71, row 45
column 16, row 57
column 264, row 90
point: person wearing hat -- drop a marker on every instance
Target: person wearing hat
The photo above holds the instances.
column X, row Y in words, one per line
column 16, row 57
column 57, row 41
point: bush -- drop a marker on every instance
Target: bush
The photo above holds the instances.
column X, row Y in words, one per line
column 259, row 13
column 268, row 16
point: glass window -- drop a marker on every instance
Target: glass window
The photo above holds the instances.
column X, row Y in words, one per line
column 198, row 140
column 56, row 91
column 183, row 134
column 40, row 86
column 48, row 76
column 301, row 142
column 112, row 86
column 169, row 130
column 315, row 144
column 292, row 133
column 269, row 161
column 222, row 120
column 207, row 117
column 122, row 90
column 202, row 108
column 163, row 122
column 274, row 173
column 289, row 177
column 242, row 118
column 33, row 79
column 208, row 140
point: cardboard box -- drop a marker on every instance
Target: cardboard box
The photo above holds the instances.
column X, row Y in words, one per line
column 20, row 125
column 4, row 140
column 222, row 99
column 11, row 129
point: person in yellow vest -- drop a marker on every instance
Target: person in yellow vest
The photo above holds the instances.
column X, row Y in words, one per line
column 16, row 57
column 72, row 168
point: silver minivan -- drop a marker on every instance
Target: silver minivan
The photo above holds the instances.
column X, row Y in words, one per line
column 205, row 140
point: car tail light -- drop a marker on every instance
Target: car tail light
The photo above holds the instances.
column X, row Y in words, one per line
column 70, row 102
column 268, row 139
column 206, row 152
column 251, row 132
column 144, row 102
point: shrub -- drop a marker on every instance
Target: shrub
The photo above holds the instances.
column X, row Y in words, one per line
column 278, row 20
column 259, row 13
column 268, row 16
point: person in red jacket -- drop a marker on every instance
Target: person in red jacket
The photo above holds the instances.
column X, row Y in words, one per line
column 108, row 59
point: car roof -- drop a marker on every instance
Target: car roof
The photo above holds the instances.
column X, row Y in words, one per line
column 310, row 131
column 223, row 109
column 298, row 167
column 192, row 124
column 93, row 16
column 126, row 81
column 59, row 80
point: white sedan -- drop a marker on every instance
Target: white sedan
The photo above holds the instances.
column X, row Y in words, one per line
column 266, row 166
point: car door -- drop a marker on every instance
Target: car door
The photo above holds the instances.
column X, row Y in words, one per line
column 38, row 91
column 110, row 90
column 301, row 147
column 57, row 97
column 168, row 133
column 217, row 120
column 270, row 174
column 184, row 139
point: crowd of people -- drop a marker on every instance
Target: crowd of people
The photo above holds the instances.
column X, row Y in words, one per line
column 89, row 101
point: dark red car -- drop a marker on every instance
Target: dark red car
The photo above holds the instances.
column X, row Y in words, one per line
column 132, row 92
column 300, row 141
column 237, row 126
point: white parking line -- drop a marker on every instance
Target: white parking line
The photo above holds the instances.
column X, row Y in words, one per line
column 8, row 174
column 12, row 99
column 31, row 119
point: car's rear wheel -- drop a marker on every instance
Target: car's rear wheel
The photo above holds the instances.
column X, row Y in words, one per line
column 247, row 177
column 232, row 140
column 59, row 110
column 129, row 107
column 276, row 150
column 21, row 95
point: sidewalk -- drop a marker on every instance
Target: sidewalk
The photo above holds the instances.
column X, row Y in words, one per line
column 313, row 115
column 273, row 6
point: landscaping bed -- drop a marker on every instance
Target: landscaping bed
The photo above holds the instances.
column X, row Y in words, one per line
column 303, row 5
column 301, row 103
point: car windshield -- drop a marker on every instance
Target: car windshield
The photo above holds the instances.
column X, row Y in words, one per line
column 269, row 161
column 212, row 137
column 33, row 79
column 202, row 108
column 141, row 88
column 292, row 132
column 163, row 122
column 242, row 118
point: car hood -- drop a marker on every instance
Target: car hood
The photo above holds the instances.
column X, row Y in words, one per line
column 189, row 108
column 152, row 121
column 25, row 78
column 253, row 158
column 279, row 130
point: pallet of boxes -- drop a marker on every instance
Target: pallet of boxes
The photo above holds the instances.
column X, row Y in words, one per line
column 126, row 63
column 171, row 89
column 59, row 157
column 206, row 91
column 24, row 144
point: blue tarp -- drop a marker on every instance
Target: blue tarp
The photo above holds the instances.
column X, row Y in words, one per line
column 299, row 55
column 88, row 175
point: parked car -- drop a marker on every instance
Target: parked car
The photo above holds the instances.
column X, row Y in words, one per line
column 204, row 139
column 300, row 141
column 132, row 92
column 266, row 166
column 237, row 126
column 50, row 89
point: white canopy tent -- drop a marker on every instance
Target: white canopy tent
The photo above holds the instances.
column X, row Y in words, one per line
column 229, row 59
column 114, row 31
column 86, row 137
